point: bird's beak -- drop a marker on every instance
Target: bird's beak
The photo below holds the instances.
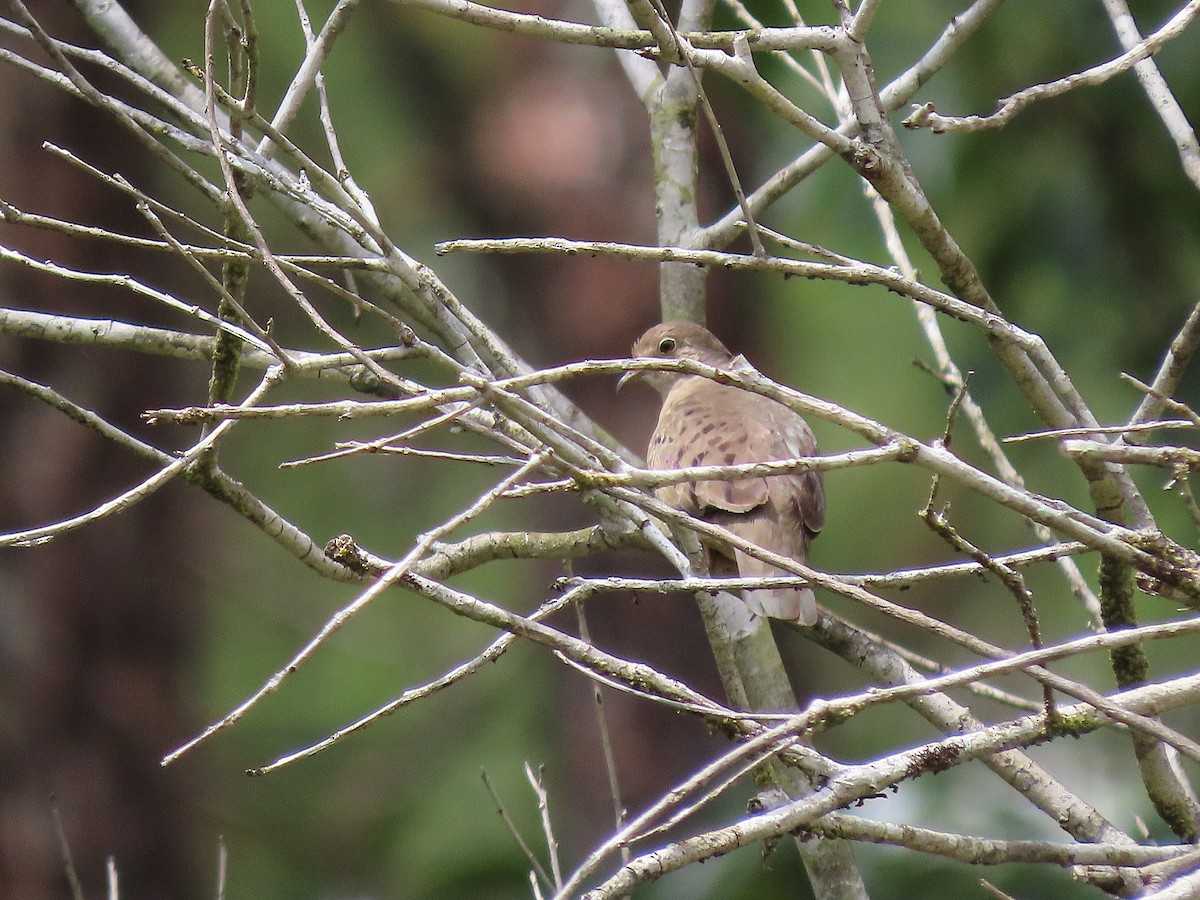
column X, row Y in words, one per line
column 628, row 377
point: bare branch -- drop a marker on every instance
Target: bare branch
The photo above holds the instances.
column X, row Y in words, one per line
column 1165, row 457
column 397, row 572
column 39, row 535
column 924, row 115
column 990, row 852
column 1166, row 380
column 806, row 38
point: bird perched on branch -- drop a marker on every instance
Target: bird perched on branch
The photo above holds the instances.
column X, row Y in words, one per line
column 703, row 423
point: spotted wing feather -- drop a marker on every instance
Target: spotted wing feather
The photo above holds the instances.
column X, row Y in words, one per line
column 706, row 424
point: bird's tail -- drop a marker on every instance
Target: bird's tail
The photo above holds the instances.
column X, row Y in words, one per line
column 793, row 604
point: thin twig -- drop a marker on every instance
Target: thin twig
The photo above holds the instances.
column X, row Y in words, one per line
column 64, row 848
column 987, row 851
column 536, row 864
column 1158, row 92
column 493, row 652
column 606, row 746
column 33, row 536
column 222, row 866
column 112, row 883
column 924, row 115
column 1142, row 427
column 398, row 571
column 543, row 804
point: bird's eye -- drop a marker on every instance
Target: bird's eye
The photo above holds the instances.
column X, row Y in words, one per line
column 666, row 345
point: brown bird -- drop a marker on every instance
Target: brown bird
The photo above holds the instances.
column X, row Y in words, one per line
column 703, row 423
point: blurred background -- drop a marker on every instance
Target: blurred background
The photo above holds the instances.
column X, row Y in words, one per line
column 121, row 640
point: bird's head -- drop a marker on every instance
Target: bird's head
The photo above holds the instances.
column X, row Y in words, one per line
column 675, row 340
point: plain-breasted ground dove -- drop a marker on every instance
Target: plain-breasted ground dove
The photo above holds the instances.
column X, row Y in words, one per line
column 703, row 423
